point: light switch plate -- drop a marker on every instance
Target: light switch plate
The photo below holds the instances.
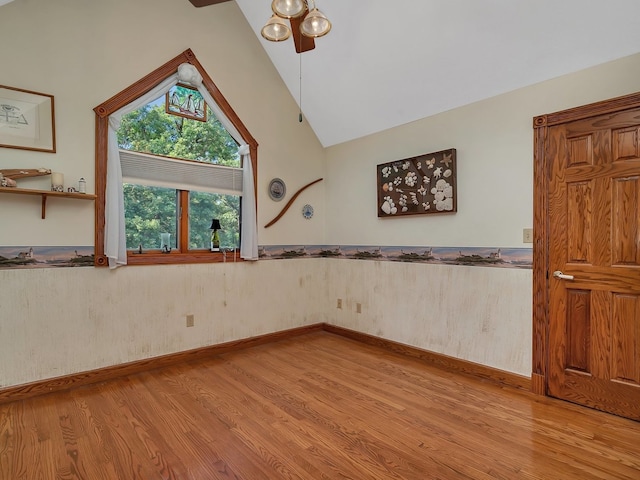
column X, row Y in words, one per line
column 527, row 235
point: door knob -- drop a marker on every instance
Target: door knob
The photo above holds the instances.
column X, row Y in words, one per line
column 562, row 276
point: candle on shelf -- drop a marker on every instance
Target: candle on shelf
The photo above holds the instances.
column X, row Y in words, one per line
column 57, row 182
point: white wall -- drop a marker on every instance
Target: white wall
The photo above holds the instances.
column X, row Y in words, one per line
column 494, row 142
column 478, row 314
column 59, row 321
column 83, row 53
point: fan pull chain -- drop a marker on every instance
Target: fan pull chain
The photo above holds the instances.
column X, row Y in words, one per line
column 300, row 90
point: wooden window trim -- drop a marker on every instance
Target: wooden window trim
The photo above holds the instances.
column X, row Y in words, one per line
column 114, row 104
column 183, row 221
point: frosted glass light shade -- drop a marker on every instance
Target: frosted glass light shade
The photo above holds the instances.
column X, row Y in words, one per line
column 315, row 24
column 288, row 8
column 276, row 29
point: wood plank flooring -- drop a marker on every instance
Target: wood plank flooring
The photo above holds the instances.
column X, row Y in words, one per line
column 317, row 406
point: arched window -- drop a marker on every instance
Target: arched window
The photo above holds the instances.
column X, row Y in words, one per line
column 172, row 156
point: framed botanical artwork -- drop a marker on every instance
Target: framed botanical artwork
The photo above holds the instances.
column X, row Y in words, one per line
column 418, row 185
column 185, row 101
column 27, row 120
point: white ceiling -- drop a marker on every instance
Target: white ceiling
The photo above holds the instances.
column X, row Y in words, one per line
column 389, row 62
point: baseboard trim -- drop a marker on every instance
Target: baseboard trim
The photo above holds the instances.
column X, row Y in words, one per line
column 66, row 382
column 446, row 362
column 538, row 384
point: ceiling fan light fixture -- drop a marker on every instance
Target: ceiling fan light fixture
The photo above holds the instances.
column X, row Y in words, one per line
column 276, row 29
column 289, row 8
column 315, row 24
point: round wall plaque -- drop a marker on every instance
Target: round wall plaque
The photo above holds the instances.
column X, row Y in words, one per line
column 277, row 189
column 307, row 211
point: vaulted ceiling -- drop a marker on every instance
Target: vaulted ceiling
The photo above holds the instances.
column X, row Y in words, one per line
column 386, row 63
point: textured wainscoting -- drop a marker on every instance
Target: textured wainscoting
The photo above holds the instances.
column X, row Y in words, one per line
column 482, row 315
column 60, row 321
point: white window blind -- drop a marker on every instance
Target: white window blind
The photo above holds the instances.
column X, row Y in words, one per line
column 154, row 170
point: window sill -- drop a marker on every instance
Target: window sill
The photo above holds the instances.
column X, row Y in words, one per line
column 176, row 258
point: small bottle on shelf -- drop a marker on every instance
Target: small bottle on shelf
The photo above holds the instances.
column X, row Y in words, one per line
column 215, row 238
column 215, row 242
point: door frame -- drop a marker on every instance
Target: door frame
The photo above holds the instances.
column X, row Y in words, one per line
column 541, row 174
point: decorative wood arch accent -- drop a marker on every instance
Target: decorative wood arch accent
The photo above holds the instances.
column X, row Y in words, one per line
column 286, row 207
column 127, row 96
column 541, row 166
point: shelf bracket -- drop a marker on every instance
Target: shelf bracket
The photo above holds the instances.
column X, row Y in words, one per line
column 44, row 205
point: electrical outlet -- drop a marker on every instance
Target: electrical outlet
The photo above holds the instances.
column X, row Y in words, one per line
column 190, row 321
column 527, row 235
column 339, row 304
column 358, row 308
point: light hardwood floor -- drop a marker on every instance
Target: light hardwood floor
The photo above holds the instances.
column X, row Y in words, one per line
column 317, row 406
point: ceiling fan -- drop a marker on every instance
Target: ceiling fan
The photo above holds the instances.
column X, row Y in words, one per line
column 305, row 23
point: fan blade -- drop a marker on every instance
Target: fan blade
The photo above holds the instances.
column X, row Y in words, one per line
column 204, row 3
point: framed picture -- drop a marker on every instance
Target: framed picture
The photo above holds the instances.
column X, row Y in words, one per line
column 185, row 101
column 26, row 120
column 419, row 185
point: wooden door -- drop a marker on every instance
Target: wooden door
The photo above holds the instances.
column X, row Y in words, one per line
column 594, row 240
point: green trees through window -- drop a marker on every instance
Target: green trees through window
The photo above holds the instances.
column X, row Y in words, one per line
column 151, row 210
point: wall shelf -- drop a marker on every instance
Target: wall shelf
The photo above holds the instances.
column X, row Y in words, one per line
column 45, row 194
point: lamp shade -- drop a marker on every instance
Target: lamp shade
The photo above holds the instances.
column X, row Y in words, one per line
column 288, row 8
column 215, row 224
column 315, row 24
column 276, row 29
